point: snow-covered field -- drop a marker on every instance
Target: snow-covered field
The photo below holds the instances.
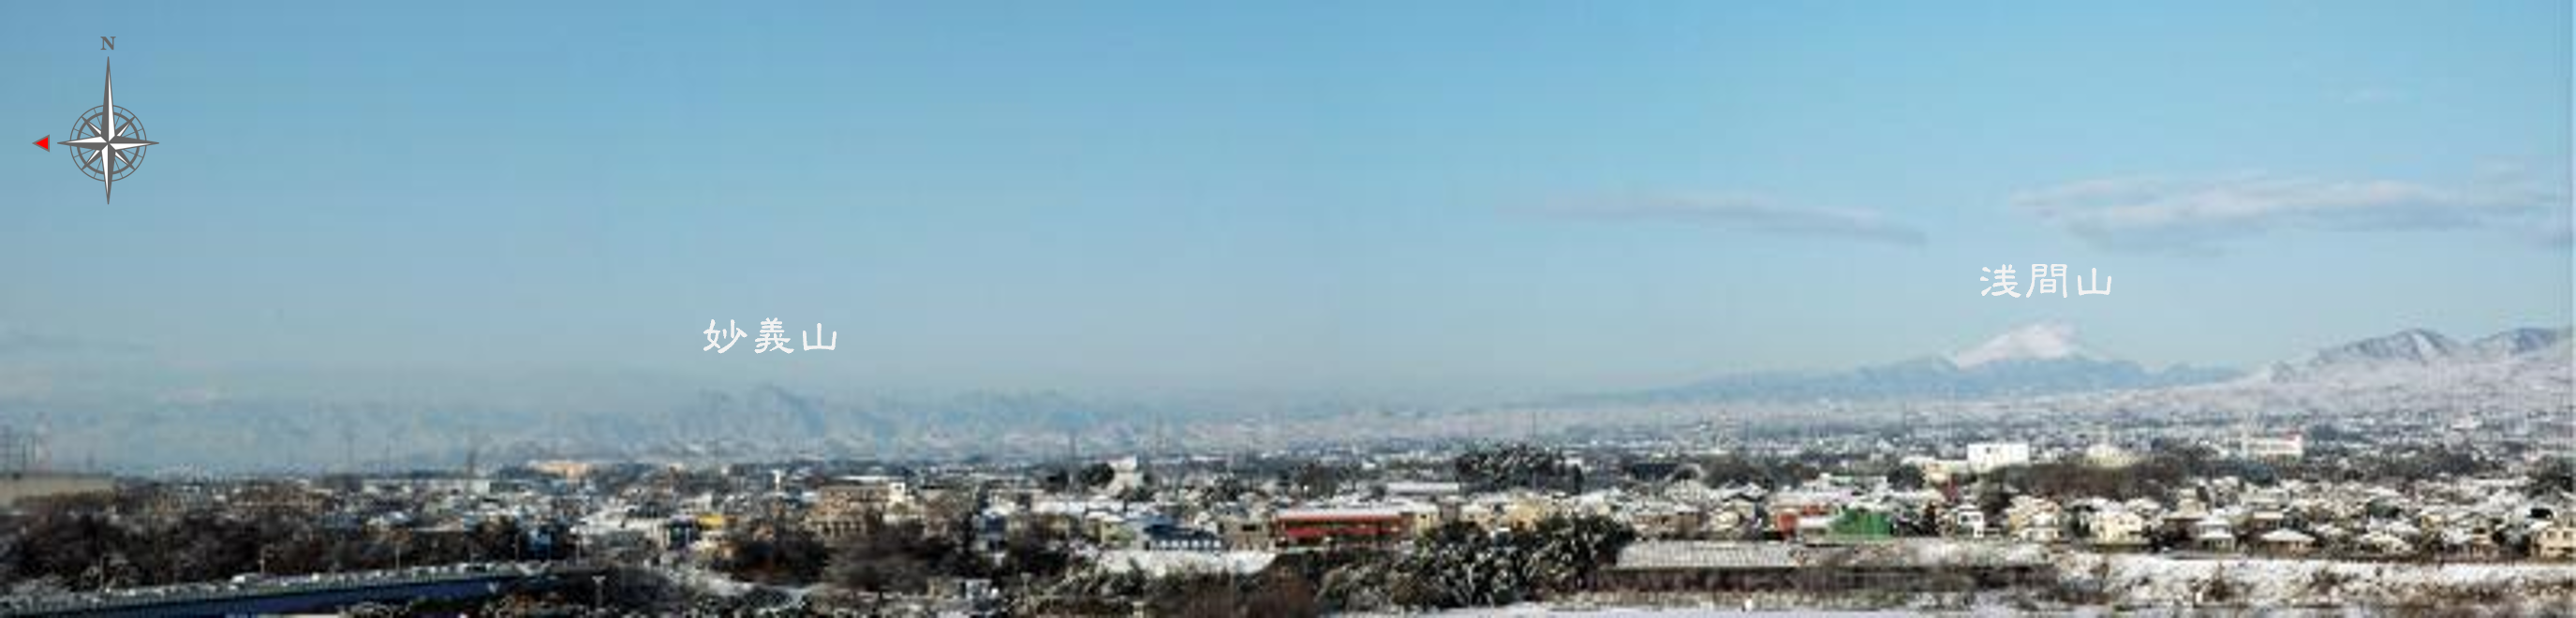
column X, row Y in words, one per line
column 1158, row 563
column 1656, row 612
column 2107, row 584
column 2156, row 581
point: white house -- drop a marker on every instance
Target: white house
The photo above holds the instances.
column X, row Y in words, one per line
column 1986, row 457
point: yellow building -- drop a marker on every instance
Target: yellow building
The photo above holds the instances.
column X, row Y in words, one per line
column 17, row 486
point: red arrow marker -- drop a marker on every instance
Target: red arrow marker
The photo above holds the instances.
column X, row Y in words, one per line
column 47, row 143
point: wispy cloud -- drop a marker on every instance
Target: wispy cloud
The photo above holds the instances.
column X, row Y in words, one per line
column 2203, row 214
column 1744, row 213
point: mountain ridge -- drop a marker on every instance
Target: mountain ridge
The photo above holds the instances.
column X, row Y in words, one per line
column 2033, row 359
column 2036, row 367
column 2419, row 349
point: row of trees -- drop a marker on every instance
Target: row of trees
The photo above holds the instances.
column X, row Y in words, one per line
column 897, row 556
column 1461, row 565
column 1271, row 592
column 1517, row 466
column 79, row 543
column 1454, row 566
column 1457, row 565
column 2160, row 474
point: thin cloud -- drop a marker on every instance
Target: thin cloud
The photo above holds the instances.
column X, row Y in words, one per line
column 1746, row 214
column 2204, row 214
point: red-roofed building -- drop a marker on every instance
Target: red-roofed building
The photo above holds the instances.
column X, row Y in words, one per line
column 1337, row 527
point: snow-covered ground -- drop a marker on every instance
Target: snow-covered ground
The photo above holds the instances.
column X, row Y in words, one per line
column 2156, row 581
column 1167, row 563
column 2138, row 583
column 1655, row 612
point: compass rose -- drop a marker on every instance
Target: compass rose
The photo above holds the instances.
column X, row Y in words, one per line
column 108, row 141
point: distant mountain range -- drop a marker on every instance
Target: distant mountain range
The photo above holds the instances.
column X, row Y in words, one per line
column 2419, row 351
column 146, row 420
column 2047, row 359
column 2038, row 359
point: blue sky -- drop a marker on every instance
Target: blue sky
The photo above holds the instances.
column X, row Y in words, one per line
column 1395, row 198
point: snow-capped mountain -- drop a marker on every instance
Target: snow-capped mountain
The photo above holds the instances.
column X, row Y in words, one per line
column 2524, row 341
column 2423, row 353
column 2035, row 359
column 2041, row 341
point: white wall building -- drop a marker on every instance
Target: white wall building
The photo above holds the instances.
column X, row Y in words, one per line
column 1988, row 456
column 2268, row 447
